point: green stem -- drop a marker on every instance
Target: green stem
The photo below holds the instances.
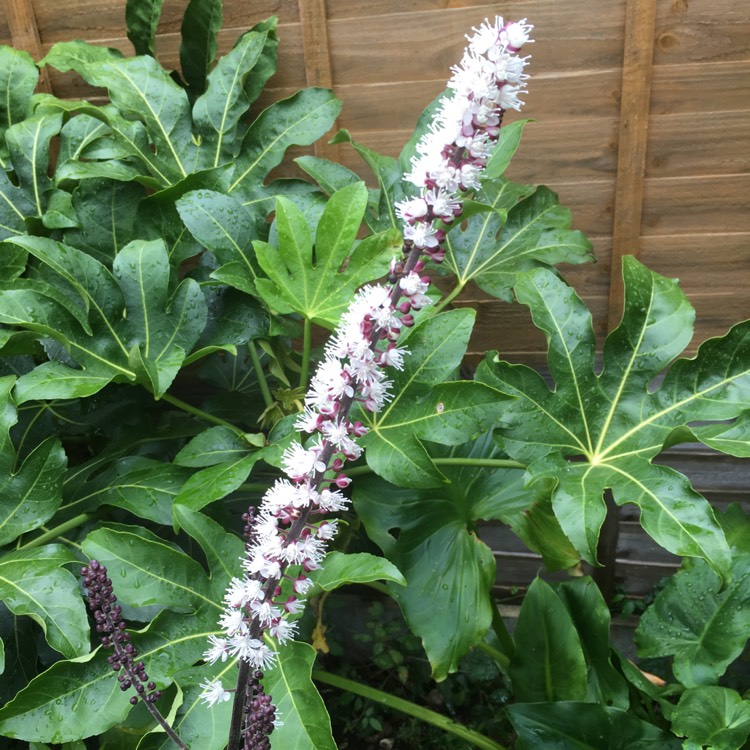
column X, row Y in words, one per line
column 306, row 347
column 487, row 463
column 500, row 658
column 501, row 631
column 448, row 298
column 57, row 531
column 409, row 708
column 262, row 382
column 196, row 412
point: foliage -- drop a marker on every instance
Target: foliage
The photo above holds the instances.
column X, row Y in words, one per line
column 161, row 287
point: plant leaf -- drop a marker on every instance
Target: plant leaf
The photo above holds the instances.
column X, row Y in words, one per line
column 141, row 20
column 312, row 282
column 428, row 534
column 34, row 583
column 358, row 567
column 425, row 407
column 201, row 23
column 713, row 716
column 306, row 723
column 519, row 228
column 548, row 662
column 612, row 423
column 567, row 725
column 18, row 79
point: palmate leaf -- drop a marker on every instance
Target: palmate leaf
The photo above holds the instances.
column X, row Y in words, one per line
column 518, row 227
column 32, row 492
column 34, row 582
column 122, row 324
column 613, row 423
column 314, row 282
column 447, row 568
column 425, row 407
column 77, row 699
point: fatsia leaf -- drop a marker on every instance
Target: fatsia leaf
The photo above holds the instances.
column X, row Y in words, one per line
column 297, row 121
column 424, row 407
column 146, row 571
column 307, row 725
column 428, row 534
column 519, row 228
column 32, row 492
column 18, row 78
column 357, row 567
column 141, row 20
column 200, row 26
column 732, row 438
column 614, row 423
column 713, row 716
column 213, row 446
column 225, row 227
column 34, row 582
column 312, row 278
column 122, row 324
column 77, row 699
column 217, row 112
column 568, row 725
column 548, row 662
column 329, row 175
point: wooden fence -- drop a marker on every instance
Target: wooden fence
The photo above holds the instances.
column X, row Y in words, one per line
column 643, row 129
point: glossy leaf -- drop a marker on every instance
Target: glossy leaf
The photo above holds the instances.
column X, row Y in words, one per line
column 548, row 662
column 357, row 567
column 612, row 422
column 714, row 716
column 732, row 438
column 566, row 725
column 77, row 699
column 213, row 446
column 306, row 723
column 141, row 20
column 429, row 535
column 425, row 407
column 200, row 26
column 508, row 141
column 34, row 582
column 297, row 121
column 314, row 282
column 519, row 228
column 147, row 571
column 703, row 625
column 18, row 79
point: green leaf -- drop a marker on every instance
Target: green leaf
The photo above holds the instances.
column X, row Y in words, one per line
column 297, row 121
column 732, row 438
column 146, row 571
column 53, row 380
column 225, row 227
column 32, row 492
column 387, row 172
column 548, row 662
column 713, row 716
column 217, row 112
column 306, row 725
column 429, row 535
column 34, row 582
column 566, row 725
column 331, row 176
column 591, row 618
column 508, row 141
column 311, row 281
column 704, row 626
column 77, row 699
column 359, row 567
column 520, row 228
column 18, row 79
column 200, row 25
column 215, row 445
column 424, row 407
column 613, row 423
column 141, row 20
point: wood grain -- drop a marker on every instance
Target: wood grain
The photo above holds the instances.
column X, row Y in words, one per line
column 25, row 35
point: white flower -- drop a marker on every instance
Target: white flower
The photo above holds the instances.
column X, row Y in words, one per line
column 219, row 650
column 253, row 651
column 214, row 692
column 283, row 630
column 409, row 210
column 299, row 463
column 516, row 34
column 233, row 621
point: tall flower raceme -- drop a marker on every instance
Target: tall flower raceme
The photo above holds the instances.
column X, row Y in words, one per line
column 289, row 532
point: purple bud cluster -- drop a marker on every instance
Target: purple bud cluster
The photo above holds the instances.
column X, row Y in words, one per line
column 260, row 715
column 107, row 614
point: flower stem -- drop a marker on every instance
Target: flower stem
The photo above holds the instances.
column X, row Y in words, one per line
column 235, row 725
column 409, row 708
column 306, row 347
column 487, row 463
column 57, row 531
column 196, row 412
column 265, row 391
